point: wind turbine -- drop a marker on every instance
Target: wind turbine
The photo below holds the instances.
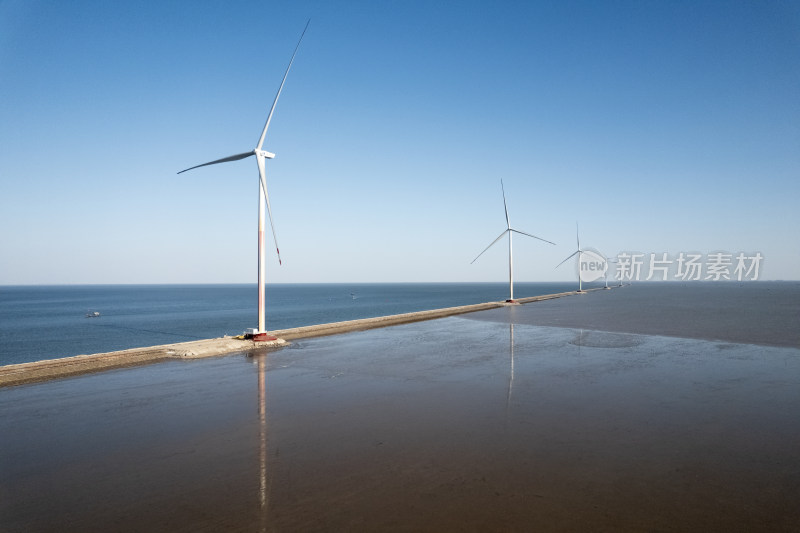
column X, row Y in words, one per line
column 573, row 254
column 510, row 231
column 605, row 274
column 263, row 199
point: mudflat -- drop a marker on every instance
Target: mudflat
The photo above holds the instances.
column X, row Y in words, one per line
column 481, row 422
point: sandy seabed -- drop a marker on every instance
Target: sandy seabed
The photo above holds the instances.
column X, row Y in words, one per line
column 492, row 421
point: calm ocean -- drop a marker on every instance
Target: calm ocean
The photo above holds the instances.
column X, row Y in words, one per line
column 48, row 322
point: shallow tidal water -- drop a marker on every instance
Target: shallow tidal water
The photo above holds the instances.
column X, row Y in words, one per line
column 485, row 422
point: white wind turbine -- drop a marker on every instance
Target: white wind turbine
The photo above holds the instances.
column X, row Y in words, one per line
column 605, row 274
column 263, row 200
column 577, row 252
column 510, row 231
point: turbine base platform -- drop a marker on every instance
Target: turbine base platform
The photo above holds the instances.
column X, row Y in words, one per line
column 515, row 302
column 262, row 336
column 255, row 335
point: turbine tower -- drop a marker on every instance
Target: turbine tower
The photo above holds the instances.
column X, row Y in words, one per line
column 510, row 231
column 263, row 201
column 577, row 252
column 605, row 274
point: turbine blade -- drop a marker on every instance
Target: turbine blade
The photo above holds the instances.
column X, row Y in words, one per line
column 262, row 177
column 568, row 258
column 223, row 160
column 529, row 235
column 493, row 243
column 577, row 236
column 275, row 102
column 508, row 223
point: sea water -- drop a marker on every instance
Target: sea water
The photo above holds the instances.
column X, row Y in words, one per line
column 48, row 322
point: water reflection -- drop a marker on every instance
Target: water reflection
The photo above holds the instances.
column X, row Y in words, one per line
column 263, row 488
column 511, row 373
column 579, row 340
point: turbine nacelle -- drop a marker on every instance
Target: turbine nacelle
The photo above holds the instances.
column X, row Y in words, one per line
column 264, row 153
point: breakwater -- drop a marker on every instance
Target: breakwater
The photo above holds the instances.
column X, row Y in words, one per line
column 81, row 364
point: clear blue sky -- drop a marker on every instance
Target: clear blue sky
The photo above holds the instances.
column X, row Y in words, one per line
column 659, row 126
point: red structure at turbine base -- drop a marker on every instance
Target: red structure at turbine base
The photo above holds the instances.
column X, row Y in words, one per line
column 263, row 336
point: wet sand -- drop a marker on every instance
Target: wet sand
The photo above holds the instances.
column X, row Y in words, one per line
column 483, row 422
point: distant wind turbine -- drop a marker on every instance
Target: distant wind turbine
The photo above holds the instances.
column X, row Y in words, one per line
column 263, row 198
column 510, row 231
column 605, row 274
column 573, row 254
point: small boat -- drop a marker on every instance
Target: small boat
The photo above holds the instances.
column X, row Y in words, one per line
column 93, row 314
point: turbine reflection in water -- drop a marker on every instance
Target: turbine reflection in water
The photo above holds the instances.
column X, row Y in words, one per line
column 263, row 488
column 511, row 375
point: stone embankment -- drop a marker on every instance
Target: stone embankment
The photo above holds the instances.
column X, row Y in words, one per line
column 83, row 364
